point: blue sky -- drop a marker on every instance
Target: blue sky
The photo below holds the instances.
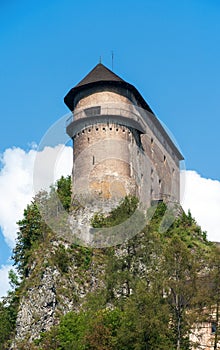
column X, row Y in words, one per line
column 168, row 49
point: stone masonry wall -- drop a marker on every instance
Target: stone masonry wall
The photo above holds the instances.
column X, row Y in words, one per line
column 103, row 162
column 111, row 160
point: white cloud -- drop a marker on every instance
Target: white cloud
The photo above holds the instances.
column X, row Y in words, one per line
column 50, row 164
column 202, row 197
column 4, row 281
column 16, row 181
column 15, row 189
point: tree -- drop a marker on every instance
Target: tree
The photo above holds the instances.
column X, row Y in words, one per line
column 32, row 228
column 101, row 333
column 63, row 189
column 6, row 325
column 213, row 289
column 31, row 231
column 145, row 320
column 8, row 315
column 180, row 273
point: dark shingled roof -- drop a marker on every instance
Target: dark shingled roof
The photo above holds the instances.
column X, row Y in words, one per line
column 99, row 73
column 99, row 76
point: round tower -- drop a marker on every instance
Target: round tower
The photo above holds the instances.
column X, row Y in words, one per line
column 110, row 127
column 105, row 131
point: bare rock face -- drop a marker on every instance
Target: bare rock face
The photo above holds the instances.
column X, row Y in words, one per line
column 55, row 285
column 38, row 306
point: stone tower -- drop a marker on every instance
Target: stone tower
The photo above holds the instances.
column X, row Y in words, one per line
column 119, row 146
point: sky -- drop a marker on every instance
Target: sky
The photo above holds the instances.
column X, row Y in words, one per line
column 168, row 49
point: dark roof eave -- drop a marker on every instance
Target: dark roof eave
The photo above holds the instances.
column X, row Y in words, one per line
column 69, row 98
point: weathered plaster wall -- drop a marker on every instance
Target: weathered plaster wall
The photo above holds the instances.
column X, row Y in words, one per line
column 112, row 160
column 202, row 335
column 103, row 161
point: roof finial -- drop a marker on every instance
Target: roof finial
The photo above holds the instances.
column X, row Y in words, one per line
column 100, row 59
column 112, row 60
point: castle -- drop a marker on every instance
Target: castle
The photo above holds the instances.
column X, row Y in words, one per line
column 120, row 147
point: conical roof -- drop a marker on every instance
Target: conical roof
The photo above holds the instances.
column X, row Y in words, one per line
column 102, row 76
column 99, row 73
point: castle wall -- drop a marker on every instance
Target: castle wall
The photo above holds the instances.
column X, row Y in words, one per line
column 202, row 334
column 102, row 161
column 165, row 175
column 112, row 160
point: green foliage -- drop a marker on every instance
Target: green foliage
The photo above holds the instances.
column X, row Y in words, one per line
column 144, row 320
column 180, row 274
column 63, row 189
column 190, row 233
column 118, row 215
column 149, row 285
column 101, row 333
column 84, row 330
column 140, row 324
column 212, row 294
column 31, row 231
column 149, row 309
column 71, row 331
column 84, row 257
column 13, row 279
column 8, row 314
column 61, row 259
column 7, row 325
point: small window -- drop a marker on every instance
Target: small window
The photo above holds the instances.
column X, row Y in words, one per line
column 88, row 139
column 93, row 160
column 213, row 327
column 110, row 129
column 103, row 129
column 164, row 159
column 97, row 129
column 89, row 130
column 152, row 141
column 116, row 129
column 92, row 111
